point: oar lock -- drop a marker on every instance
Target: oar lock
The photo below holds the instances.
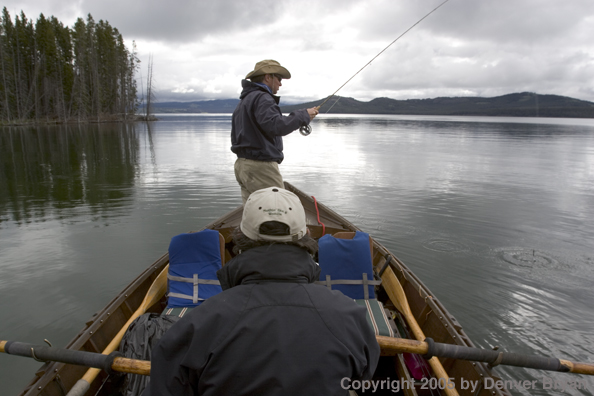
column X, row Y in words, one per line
column 35, row 357
column 33, row 351
column 497, row 361
column 430, row 348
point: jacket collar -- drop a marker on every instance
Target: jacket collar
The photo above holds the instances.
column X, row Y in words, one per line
column 266, row 87
column 270, row 263
column 249, row 87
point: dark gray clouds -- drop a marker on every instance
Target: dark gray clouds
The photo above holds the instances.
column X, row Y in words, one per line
column 202, row 49
column 181, row 21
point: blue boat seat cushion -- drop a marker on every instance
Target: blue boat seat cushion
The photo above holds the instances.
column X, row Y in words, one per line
column 346, row 265
column 194, row 259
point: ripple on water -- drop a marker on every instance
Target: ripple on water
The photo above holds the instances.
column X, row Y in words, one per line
column 445, row 245
column 528, row 258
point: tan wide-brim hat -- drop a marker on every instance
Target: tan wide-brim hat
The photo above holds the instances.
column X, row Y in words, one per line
column 268, row 66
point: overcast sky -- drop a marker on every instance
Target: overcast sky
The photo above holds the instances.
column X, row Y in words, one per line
column 202, row 49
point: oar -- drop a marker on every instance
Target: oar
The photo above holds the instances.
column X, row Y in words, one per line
column 392, row 346
column 81, row 358
column 389, row 346
column 154, row 294
column 396, row 293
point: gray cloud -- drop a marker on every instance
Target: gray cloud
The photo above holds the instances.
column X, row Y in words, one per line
column 181, row 20
column 188, row 20
column 485, row 48
column 501, row 21
column 202, row 49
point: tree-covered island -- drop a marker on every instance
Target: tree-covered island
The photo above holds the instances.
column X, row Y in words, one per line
column 50, row 73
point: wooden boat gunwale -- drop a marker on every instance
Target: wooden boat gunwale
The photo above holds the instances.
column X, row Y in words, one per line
column 56, row 378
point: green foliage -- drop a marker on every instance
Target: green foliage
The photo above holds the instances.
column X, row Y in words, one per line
column 50, row 72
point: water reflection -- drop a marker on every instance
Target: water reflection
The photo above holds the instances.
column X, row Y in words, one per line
column 331, row 123
column 494, row 215
column 66, row 168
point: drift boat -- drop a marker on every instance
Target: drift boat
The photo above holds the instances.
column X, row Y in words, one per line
column 409, row 307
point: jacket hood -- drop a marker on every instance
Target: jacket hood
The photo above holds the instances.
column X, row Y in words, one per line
column 249, row 87
column 270, row 263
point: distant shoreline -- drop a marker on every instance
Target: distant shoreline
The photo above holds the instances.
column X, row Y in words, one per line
column 94, row 120
column 525, row 104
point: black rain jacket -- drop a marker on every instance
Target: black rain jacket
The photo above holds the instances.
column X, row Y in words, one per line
column 271, row 332
column 258, row 125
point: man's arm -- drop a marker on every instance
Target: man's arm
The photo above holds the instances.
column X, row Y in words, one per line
column 372, row 354
column 270, row 118
column 169, row 377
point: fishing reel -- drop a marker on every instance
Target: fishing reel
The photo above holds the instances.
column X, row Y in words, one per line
column 305, row 130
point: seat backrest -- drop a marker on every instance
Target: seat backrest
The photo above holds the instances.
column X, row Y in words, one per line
column 194, row 259
column 346, row 264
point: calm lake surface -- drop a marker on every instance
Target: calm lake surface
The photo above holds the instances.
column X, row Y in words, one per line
column 495, row 215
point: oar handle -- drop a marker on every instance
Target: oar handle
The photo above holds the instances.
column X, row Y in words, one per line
column 578, row 368
column 109, row 363
column 131, row 366
column 392, row 346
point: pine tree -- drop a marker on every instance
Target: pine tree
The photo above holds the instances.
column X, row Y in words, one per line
column 80, row 98
column 52, row 72
column 5, row 65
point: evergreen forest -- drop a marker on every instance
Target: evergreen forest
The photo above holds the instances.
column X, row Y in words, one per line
column 52, row 73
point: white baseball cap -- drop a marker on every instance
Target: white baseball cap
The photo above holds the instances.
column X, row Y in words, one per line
column 273, row 204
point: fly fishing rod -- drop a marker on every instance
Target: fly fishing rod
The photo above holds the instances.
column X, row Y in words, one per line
column 306, row 129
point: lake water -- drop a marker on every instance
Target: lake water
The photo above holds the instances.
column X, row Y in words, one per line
column 495, row 215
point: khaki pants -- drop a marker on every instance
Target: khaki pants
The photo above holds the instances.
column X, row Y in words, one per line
column 256, row 175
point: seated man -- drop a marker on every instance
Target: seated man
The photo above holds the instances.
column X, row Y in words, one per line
column 272, row 331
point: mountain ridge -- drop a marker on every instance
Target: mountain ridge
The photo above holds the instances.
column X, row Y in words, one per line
column 523, row 104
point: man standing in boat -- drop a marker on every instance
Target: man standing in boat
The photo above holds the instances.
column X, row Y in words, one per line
column 258, row 125
column 272, row 331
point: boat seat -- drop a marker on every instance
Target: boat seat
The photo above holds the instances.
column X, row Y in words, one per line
column 176, row 311
column 346, row 264
column 194, row 259
column 345, row 261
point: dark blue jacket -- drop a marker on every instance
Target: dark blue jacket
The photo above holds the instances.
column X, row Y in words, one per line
column 272, row 331
column 258, row 125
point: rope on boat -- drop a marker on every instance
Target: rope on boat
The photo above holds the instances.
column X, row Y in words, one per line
column 318, row 213
column 388, row 259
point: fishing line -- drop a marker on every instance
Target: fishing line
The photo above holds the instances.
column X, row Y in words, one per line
column 306, row 129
